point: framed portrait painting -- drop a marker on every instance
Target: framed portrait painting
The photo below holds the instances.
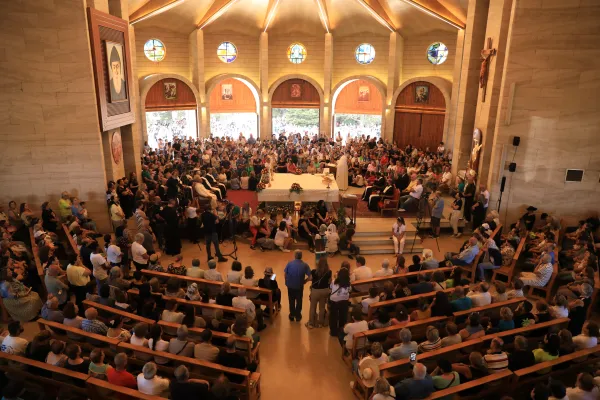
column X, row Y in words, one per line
column 117, row 77
column 227, row 91
column 422, row 94
column 296, row 90
column 364, row 93
column 170, row 90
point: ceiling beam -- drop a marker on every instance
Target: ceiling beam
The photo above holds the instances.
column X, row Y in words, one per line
column 152, row 8
column 437, row 10
column 217, row 8
column 271, row 11
column 323, row 14
column 378, row 12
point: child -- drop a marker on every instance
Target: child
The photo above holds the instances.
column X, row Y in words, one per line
column 373, row 298
column 293, row 232
column 56, row 356
column 517, row 290
column 542, row 312
column 98, row 368
column 501, row 294
column 506, row 322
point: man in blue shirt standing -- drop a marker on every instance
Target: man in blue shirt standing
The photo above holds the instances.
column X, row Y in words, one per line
column 297, row 273
column 437, row 210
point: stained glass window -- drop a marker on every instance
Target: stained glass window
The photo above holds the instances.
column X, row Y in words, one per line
column 365, row 53
column 296, row 53
column 227, row 52
column 154, row 50
column 437, row 53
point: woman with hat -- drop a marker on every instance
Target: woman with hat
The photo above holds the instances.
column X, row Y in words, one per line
column 527, row 220
column 269, row 282
column 192, row 293
column 368, row 371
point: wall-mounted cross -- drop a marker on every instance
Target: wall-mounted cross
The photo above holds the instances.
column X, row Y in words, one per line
column 486, row 55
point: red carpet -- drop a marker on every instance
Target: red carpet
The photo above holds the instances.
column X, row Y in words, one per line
column 238, row 197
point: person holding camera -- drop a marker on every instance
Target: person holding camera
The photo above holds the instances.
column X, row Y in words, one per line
column 437, row 209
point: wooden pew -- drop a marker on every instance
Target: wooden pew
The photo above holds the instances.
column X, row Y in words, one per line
column 204, row 369
column 99, row 389
column 116, row 311
column 36, row 257
column 198, row 304
column 61, row 380
column 417, row 329
column 72, row 242
column 531, row 375
column 594, row 296
column 472, row 269
column 251, row 353
column 205, row 282
column 380, row 280
column 494, row 307
column 402, row 300
column 91, row 338
column 487, row 385
column 509, row 270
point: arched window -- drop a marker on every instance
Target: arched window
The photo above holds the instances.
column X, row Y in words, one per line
column 365, row 53
column 227, row 52
column 154, row 50
column 296, row 53
column 437, row 53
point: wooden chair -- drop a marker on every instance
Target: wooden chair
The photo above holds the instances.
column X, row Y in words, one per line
column 546, row 289
column 471, row 270
column 390, row 203
column 72, row 242
column 509, row 270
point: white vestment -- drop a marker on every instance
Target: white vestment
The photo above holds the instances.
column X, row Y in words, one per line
column 204, row 192
column 342, row 173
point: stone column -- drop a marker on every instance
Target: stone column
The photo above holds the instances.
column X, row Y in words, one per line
column 196, row 58
column 396, row 52
column 466, row 87
column 263, row 66
column 326, row 123
column 485, row 117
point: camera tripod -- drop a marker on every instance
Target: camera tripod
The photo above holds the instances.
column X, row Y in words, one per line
column 422, row 212
column 225, row 225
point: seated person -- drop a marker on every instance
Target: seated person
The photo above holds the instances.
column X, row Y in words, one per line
column 541, row 274
column 466, row 256
column 411, row 201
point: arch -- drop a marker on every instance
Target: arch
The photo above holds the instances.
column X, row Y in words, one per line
column 444, row 85
column 215, row 80
column 146, row 84
column 344, row 82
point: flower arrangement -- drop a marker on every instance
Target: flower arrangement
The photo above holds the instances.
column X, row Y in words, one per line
column 260, row 187
column 296, row 188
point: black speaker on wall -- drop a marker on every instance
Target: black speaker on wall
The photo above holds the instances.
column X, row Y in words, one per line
column 516, row 141
column 502, row 184
column 512, row 167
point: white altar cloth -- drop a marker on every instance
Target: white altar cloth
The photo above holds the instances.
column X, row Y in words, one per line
column 314, row 189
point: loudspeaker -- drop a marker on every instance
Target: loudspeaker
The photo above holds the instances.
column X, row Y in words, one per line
column 512, row 167
column 516, row 141
column 502, row 184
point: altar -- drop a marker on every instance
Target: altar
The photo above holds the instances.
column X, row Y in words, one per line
column 314, row 189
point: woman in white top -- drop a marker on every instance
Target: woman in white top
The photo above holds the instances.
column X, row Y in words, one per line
column 332, row 240
column 235, row 274
column 249, row 281
column 158, row 344
column 561, row 307
column 339, row 302
column 399, row 235
column 282, row 238
column 244, row 180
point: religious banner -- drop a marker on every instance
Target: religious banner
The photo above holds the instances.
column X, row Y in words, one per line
column 364, row 93
column 116, row 71
column 422, row 94
column 295, row 90
column 475, row 148
column 116, row 147
column 227, row 91
column 170, row 90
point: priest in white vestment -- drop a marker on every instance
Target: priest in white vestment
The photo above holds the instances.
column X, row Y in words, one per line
column 342, row 173
column 204, row 192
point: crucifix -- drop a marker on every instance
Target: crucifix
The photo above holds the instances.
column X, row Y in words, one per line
column 486, row 55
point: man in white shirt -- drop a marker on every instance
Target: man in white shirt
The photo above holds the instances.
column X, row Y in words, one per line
column 357, row 325
column 584, row 389
column 411, row 201
column 113, row 252
column 480, row 295
column 212, row 274
column 195, row 271
column 242, row 302
column 139, row 252
column 385, row 269
column 446, row 180
column 361, row 272
column 13, row 344
column 100, row 266
column 149, row 383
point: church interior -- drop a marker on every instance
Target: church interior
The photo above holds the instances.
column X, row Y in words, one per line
column 336, row 199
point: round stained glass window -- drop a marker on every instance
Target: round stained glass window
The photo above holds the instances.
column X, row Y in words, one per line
column 437, row 53
column 227, row 52
column 365, row 53
column 296, row 53
column 154, row 50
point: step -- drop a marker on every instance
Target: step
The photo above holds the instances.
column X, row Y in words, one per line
column 383, row 239
column 443, row 224
column 381, row 249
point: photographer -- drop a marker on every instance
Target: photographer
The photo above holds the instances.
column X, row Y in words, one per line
column 437, row 209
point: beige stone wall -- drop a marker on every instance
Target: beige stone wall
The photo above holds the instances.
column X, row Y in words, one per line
column 344, row 61
column 415, row 63
column 280, row 65
column 555, row 109
column 50, row 138
column 176, row 60
column 246, row 62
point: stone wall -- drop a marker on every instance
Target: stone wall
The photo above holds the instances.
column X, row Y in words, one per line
column 344, row 61
column 50, row 139
column 176, row 59
column 246, row 62
column 414, row 60
column 552, row 63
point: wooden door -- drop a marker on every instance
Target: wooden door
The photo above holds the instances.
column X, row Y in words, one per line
column 407, row 128
column 432, row 130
